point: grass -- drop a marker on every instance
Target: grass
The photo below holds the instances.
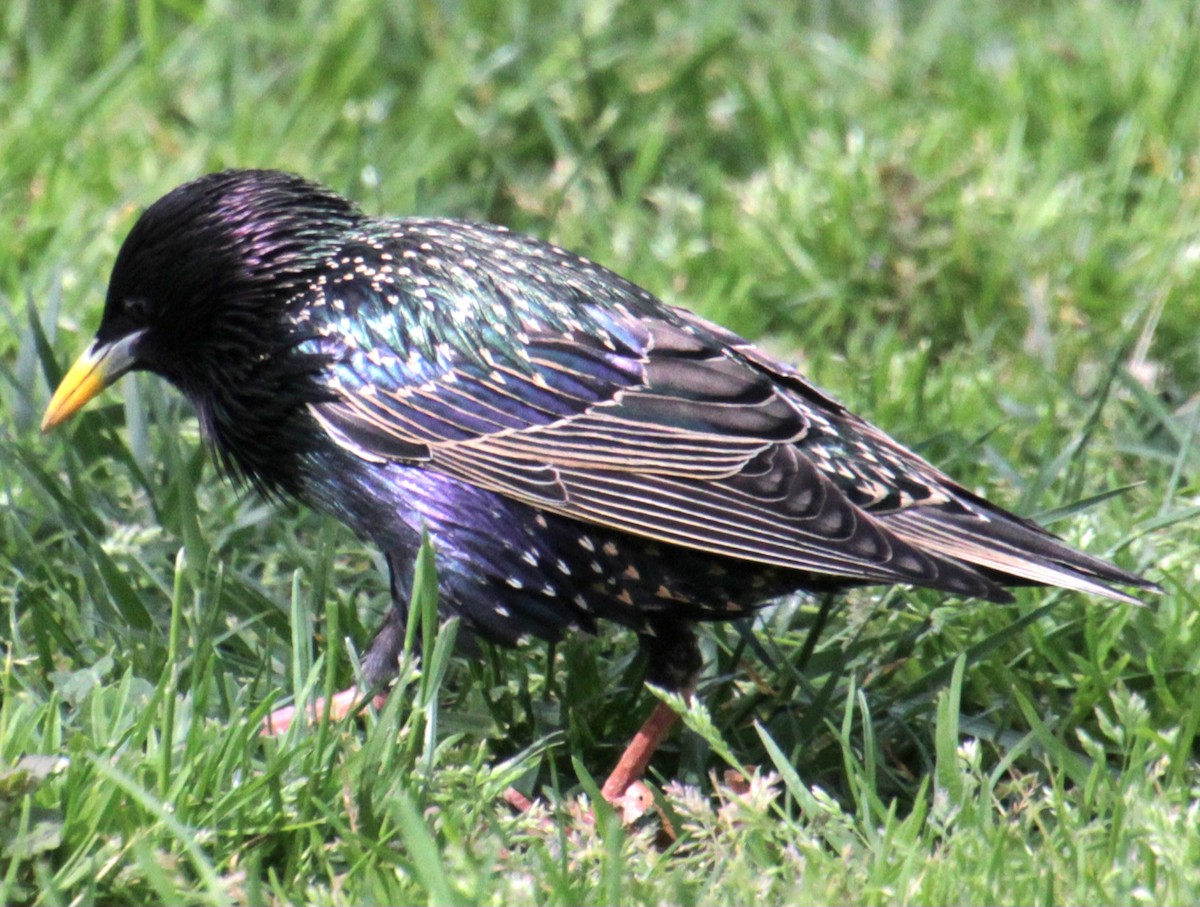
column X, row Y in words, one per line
column 976, row 224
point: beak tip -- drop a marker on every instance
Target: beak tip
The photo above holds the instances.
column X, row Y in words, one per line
column 63, row 404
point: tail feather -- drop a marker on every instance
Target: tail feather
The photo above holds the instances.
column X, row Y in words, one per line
column 1006, row 547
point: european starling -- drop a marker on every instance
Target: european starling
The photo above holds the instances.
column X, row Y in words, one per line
column 577, row 449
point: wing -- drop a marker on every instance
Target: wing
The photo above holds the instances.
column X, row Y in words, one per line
column 927, row 508
column 541, row 377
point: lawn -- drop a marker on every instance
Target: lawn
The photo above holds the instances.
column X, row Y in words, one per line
column 978, row 225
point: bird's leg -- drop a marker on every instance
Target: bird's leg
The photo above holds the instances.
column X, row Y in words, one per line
column 378, row 667
column 349, row 701
column 632, row 765
column 673, row 663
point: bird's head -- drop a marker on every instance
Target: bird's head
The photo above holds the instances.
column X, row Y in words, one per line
column 200, row 292
column 202, row 282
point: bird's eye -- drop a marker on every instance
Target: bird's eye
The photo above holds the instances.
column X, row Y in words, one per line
column 137, row 308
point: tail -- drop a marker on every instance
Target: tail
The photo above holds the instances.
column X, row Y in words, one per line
column 1008, row 549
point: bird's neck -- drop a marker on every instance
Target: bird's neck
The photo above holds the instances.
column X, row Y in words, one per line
column 259, row 424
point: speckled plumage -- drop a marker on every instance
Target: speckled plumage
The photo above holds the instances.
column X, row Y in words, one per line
column 578, row 450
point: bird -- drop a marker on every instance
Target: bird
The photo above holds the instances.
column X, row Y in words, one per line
column 579, row 452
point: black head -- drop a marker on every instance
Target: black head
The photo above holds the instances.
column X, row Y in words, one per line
column 208, row 268
column 200, row 294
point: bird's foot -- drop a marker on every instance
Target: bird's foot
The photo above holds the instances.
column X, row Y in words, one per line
column 623, row 790
column 634, row 805
column 348, row 702
column 636, row 802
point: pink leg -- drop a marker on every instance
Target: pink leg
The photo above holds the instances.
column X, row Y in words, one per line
column 633, row 762
column 624, row 789
column 347, row 702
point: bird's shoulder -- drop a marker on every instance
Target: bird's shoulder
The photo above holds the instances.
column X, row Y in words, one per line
column 425, row 303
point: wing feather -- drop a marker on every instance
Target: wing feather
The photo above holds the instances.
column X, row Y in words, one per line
column 696, row 448
column 596, row 401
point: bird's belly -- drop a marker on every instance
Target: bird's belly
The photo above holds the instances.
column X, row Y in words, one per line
column 509, row 569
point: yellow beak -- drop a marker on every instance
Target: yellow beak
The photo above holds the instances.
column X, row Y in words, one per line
column 96, row 369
